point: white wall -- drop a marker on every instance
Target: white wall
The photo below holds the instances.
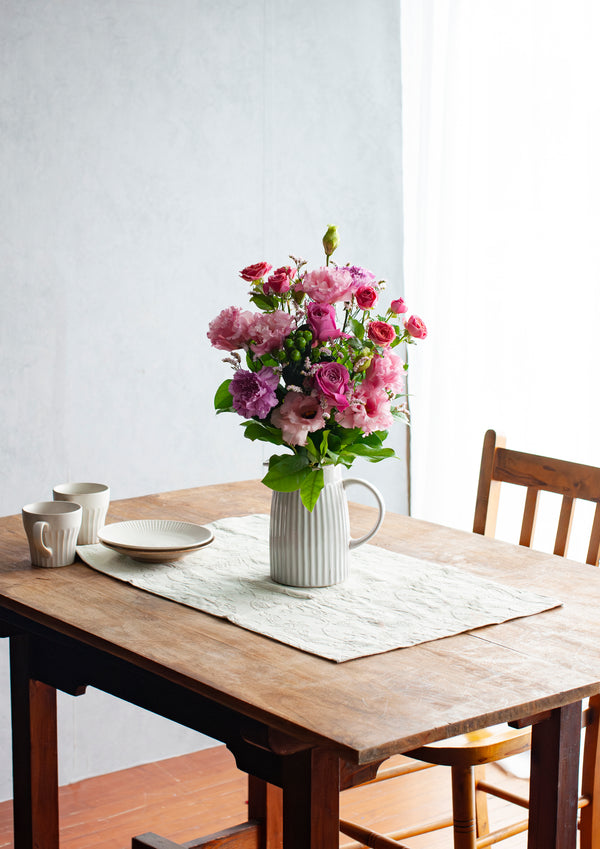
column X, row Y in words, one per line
column 150, row 150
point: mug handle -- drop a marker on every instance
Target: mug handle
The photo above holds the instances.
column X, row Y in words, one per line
column 354, row 543
column 38, row 538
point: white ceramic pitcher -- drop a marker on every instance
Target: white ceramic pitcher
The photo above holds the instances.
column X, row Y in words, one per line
column 313, row 549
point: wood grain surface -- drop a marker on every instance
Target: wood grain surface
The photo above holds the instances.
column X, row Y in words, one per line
column 391, row 702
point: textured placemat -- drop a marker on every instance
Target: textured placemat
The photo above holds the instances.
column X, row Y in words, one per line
column 389, row 601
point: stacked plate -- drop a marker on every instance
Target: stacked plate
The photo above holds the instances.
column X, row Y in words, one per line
column 155, row 540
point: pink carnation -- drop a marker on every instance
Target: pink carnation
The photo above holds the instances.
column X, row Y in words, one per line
column 268, row 330
column 369, row 409
column 385, row 372
column 327, row 285
column 298, row 416
column 230, row 330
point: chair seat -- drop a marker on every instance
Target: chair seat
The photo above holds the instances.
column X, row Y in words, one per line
column 475, row 748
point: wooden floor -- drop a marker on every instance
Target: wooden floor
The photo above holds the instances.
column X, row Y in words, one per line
column 185, row 797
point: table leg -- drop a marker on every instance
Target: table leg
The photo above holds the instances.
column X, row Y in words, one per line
column 554, row 780
column 35, row 759
column 311, row 800
column 265, row 805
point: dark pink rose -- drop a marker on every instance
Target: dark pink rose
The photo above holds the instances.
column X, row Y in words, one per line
column 398, row 306
column 333, row 379
column 381, row 333
column 280, row 281
column 416, row 327
column 366, row 297
column 321, row 318
column 256, row 271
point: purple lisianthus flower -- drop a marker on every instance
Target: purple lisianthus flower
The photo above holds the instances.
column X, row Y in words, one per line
column 360, row 276
column 253, row 393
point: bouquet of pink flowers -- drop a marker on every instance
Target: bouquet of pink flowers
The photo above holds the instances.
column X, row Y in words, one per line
column 327, row 386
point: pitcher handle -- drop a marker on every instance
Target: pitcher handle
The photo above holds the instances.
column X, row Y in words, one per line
column 354, row 543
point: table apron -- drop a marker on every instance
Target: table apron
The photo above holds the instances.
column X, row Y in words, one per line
column 66, row 664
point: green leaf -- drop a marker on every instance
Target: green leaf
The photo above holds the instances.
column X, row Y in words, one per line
column 286, row 472
column 372, row 454
column 223, row 399
column 264, row 302
column 334, row 443
column 357, row 328
column 373, row 439
column 310, row 488
column 264, row 433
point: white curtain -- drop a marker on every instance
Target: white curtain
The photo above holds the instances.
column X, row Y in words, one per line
column 501, row 105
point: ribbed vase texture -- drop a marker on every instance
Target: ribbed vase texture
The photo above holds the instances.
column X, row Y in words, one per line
column 62, row 542
column 310, row 549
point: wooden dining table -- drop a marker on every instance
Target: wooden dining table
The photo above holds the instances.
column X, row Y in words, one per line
column 302, row 727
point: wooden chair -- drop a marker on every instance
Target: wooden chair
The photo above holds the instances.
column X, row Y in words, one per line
column 467, row 755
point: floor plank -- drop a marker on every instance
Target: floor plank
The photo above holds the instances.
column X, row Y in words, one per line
column 182, row 798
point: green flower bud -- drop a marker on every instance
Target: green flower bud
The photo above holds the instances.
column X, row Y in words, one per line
column 330, row 240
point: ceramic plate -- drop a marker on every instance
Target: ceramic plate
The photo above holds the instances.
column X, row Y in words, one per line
column 155, row 540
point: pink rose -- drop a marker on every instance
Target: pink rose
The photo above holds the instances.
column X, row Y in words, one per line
column 381, row 333
column 268, row 330
column 333, row 379
column 230, row 330
column 256, row 271
column 416, row 327
column 398, row 306
column 366, row 297
column 386, row 372
column 327, row 285
column 321, row 318
column 280, row 281
column 298, row 416
column 369, row 409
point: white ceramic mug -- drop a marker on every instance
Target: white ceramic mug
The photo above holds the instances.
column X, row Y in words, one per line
column 52, row 528
column 94, row 499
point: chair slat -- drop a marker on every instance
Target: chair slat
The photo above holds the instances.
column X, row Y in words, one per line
column 594, row 547
column 561, row 476
column 565, row 521
column 529, row 516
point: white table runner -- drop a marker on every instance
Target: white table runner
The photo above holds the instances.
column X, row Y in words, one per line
column 389, row 601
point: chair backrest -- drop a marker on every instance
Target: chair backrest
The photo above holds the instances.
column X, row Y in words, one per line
column 571, row 480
